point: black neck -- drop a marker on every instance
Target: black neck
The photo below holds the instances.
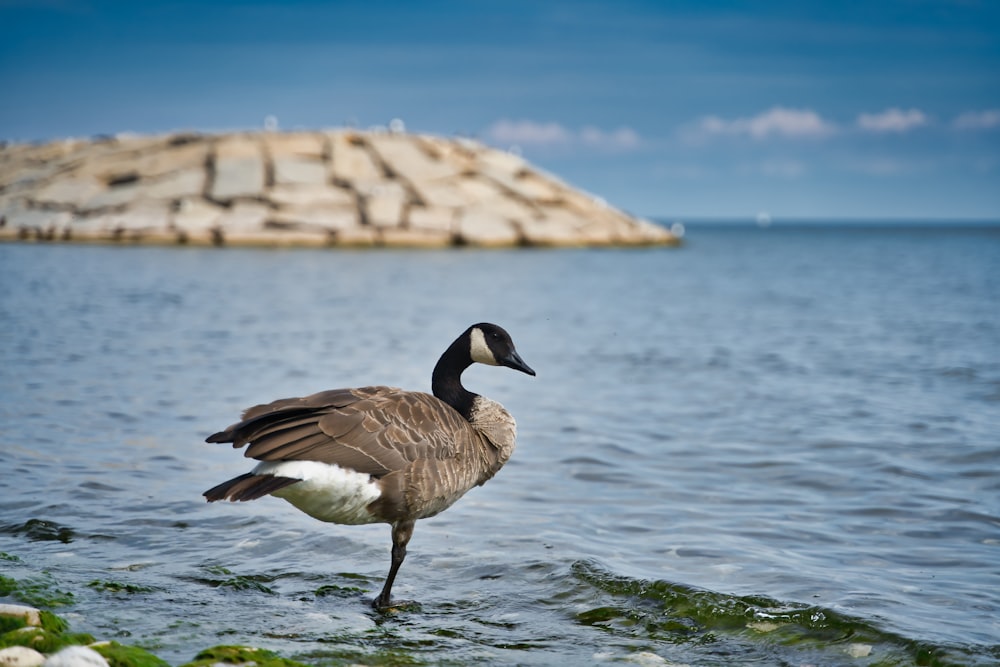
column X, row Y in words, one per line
column 446, row 381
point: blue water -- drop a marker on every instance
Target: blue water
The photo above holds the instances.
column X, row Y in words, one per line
column 770, row 446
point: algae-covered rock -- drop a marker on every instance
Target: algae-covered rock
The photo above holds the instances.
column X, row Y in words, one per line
column 27, row 633
column 30, row 637
column 119, row 655
column 42, row 640
column 15, row 616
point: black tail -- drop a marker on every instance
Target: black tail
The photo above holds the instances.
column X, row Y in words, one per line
column 221, row 436
column 248, row 487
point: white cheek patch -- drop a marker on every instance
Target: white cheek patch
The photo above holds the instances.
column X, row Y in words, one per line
column 479, row 350
column 327, row 492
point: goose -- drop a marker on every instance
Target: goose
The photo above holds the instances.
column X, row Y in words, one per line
column 380, row 454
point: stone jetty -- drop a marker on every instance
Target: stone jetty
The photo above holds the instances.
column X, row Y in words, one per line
column 337, row 187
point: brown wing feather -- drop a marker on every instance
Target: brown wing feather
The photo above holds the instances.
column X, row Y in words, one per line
column 374, row 430
column 337, row 398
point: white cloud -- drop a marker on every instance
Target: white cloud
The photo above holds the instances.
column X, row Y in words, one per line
column 893, row 120
column 978, row 120
column 777, row 121
column 528, row 133
column 624, row 138
column 549, row 135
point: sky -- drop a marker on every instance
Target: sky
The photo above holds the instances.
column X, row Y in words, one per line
column 687, row 109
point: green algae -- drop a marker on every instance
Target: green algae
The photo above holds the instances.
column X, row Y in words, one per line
column 238, row 655
column 383, row 657
column 236, row 582
column 52, row 623
column 118, row 587
column 38, row 591
column 53, row 636
column 42, row 640
column 678, row 614
column 8, row 623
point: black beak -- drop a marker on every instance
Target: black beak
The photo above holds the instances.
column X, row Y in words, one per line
column 514, row 360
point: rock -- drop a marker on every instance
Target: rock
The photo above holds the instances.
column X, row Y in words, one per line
column 112, row 197
column 415, row 238
column 148, row 220
column 407, row 158
column 506, row 207
column 172, row 158
column 239, row 169
column 196, row 218
column 384, row 204
column 650, row 233
column 29, row 615
column 444, row 194
column 298, row 171
column 307, row 195
column 351, row 162
column 432, row 219
column 20, row 656
column 533, row 187
column 481, row 227
column 501, row 161
column 556, row 228
column 335, row 187
column 189, row 182
column 478, row 190
column 69, row 191
column 310, row 145
column 76, row 656
column 356, row 237
column 321, row 214
column 28, row 223
column 858, row 650
column 16, row 175
column 243, row 220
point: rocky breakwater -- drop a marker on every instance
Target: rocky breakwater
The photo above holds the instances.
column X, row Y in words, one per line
column 317, row 188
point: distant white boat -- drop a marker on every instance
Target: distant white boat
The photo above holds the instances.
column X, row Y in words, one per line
column 763, row 219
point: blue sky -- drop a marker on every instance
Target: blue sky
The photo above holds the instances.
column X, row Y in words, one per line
column 874, row 109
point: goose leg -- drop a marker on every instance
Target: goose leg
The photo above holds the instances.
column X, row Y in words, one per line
column 402, row 531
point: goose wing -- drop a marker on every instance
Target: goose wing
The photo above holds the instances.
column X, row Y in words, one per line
column 373, row 430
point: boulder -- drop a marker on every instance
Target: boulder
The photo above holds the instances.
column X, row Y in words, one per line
column 484, row 228
column 239, row 169
column 20, row 656
column 350, row 161
column 384, row 203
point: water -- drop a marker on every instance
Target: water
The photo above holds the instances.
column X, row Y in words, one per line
column 768, row 447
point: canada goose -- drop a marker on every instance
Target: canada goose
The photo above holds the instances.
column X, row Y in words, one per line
column 380, row 454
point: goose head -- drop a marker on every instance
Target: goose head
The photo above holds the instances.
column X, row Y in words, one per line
column 491, row 345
